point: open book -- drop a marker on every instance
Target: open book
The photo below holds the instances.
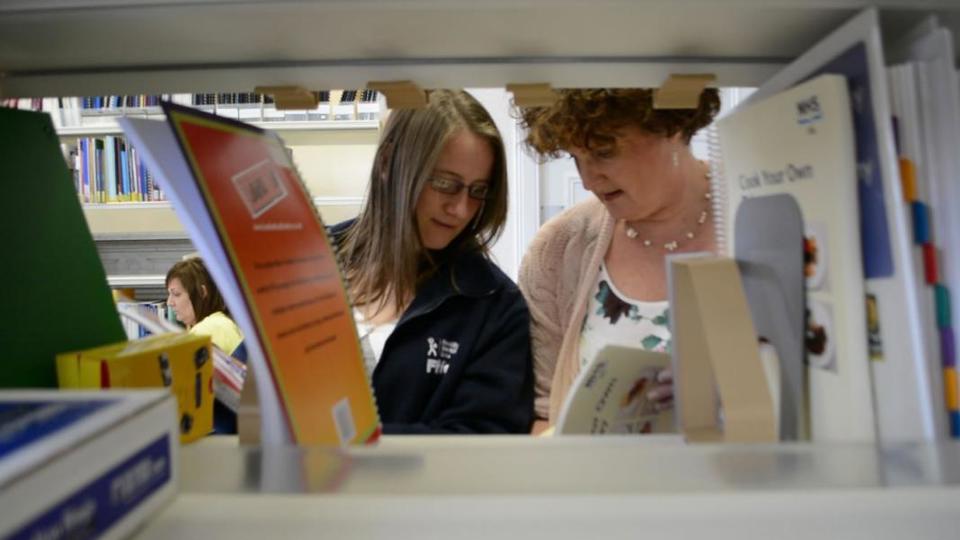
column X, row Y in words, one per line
column 610, row 395
column 247, row 211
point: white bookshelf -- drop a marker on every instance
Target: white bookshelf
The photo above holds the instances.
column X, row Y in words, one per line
column 112, row 128
column 146, row 280
column 312, row 142
column 89, row 47
column 562, row 487
column 119, row 206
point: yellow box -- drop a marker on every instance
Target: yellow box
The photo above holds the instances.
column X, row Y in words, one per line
column 181, row 361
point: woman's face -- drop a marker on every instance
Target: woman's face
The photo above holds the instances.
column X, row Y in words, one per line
column 179, row 301
column 466, row 159
column 632, row 179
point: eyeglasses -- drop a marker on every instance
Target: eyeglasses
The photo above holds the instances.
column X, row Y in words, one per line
column 477, row 190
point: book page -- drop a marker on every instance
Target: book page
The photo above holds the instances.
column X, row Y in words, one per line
column 609, row 395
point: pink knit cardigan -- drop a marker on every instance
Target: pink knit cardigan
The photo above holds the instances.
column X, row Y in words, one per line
column 557, row 275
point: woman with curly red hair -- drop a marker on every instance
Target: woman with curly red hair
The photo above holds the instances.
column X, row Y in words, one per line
column 595, row 275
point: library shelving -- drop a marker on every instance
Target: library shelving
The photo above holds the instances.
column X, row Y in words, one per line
column 141, row 238
column 69, row 47
column 409, row 486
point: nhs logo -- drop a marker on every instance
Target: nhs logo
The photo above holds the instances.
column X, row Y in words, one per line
column 809, row 111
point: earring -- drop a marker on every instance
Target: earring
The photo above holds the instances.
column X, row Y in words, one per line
column 676, row 159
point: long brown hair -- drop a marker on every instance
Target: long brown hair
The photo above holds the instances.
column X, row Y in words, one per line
column 382, row 256
column 204, row 295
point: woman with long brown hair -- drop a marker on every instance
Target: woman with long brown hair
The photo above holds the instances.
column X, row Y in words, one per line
column 445, row 333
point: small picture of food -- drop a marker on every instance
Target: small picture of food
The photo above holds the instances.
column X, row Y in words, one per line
column 635, row 412
column 809, row 256
column 818, row 336
column 815, row 256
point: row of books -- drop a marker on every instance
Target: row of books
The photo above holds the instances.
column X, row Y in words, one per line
column 108, row 169
column 141, row 101
column 116, row 102
column 323, row 96
column 135, row 327
column 97, row 111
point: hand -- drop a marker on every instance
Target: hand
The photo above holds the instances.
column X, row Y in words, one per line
column 661, row 395
column 541, row 428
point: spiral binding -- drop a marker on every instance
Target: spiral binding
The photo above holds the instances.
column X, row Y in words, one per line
column 718, row 189
column 338, row 257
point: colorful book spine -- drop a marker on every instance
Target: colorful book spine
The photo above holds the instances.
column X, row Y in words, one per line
column 948, row 356
column 109, row 169
column 85, row 170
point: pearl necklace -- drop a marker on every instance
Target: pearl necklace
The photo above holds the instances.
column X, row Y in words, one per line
column 673, row 245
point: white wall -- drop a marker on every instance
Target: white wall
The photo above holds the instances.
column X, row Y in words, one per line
column 335, row 166
column 522, row 185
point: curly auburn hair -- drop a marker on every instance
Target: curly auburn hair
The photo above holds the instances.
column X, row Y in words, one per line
column 590, row 118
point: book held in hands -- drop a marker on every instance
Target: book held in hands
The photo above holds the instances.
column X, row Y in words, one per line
column 610, row 395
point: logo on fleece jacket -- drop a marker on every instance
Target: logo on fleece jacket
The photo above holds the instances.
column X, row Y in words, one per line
column 439, row 354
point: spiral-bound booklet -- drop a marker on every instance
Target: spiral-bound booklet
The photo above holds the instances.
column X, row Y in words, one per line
column 908, row 391
column 239, row 195
column 796, row 151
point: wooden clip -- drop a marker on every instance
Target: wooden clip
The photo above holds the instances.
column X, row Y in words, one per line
column 533, row 95
column 681, row 91
column 400, row 94
column 289, row 97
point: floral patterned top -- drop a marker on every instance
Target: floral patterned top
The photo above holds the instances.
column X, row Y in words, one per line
column 616, row 319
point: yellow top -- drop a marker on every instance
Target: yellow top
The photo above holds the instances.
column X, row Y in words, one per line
column 223, row 332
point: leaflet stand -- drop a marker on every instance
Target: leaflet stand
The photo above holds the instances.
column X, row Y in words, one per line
column 716, row 345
